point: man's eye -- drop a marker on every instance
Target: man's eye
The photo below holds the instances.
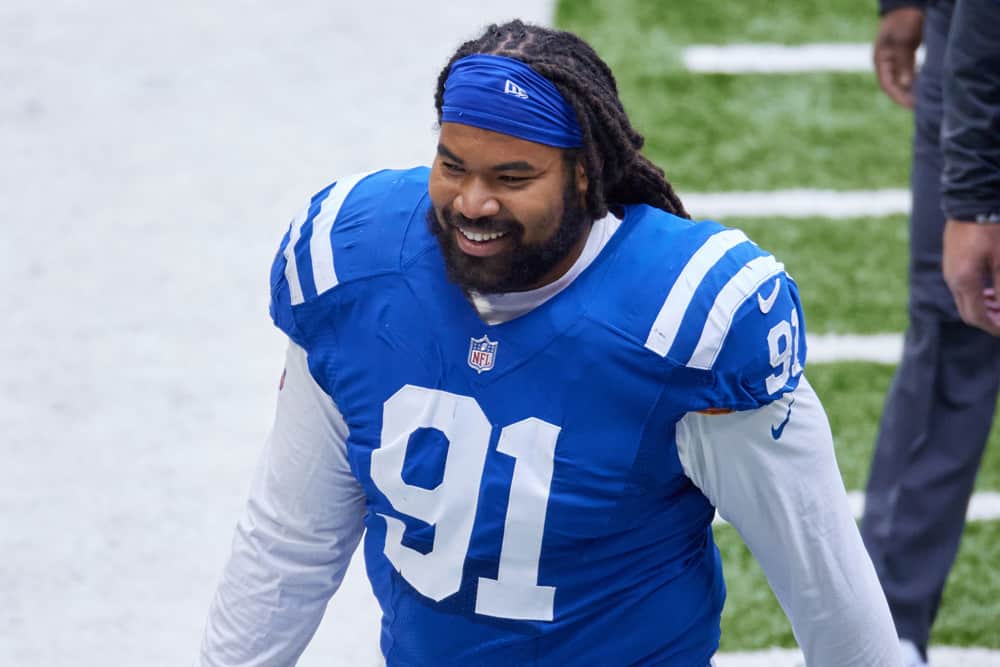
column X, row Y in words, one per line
column 452, row 167
column 514, row 179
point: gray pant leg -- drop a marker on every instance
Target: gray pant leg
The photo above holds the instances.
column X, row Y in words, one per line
column 934, row 428
column 940, row 406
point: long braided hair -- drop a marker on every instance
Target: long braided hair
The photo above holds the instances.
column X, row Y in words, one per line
column 616, row 171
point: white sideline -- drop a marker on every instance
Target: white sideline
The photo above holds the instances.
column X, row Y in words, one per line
column 885, row 348
column 799, row 203
column 780, row 58
column 940, row 656
column 985, row 506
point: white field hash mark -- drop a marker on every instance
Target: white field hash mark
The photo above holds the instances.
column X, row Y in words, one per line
column 799, row 203
column 883, row 348
column 985, row 506
column 781, row 58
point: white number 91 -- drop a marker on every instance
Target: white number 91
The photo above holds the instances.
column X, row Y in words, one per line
column 783, row 346
column 451, row 506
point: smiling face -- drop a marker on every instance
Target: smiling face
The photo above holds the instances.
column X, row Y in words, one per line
column 508, row 213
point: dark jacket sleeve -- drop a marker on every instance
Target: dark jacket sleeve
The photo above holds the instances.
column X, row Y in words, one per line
column 885, row 6
column 970, row 130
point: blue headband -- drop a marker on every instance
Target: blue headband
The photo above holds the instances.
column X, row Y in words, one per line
column 505, row 95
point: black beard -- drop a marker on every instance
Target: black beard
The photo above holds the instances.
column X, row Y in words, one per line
column 518, row 268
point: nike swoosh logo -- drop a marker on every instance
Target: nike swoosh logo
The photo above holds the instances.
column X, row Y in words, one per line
column 776, row 431
column 768, row 303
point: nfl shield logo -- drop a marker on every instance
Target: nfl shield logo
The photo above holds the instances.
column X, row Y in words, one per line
column 482, row 352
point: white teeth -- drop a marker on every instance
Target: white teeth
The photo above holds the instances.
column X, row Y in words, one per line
column 479, row 238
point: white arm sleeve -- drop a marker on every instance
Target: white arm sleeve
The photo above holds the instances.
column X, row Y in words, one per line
column 786, row 499
column 302, row 523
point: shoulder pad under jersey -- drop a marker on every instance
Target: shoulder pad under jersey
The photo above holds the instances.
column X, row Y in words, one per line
column 352, row 229
column 708, row 298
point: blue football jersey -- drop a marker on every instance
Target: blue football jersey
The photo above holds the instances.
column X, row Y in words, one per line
column 526, row 503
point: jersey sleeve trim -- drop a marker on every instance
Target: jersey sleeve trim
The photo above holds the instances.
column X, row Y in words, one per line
column 291, row 265
column 312, row 229
column 720, row 318
column 667, row 324
column 321, row 248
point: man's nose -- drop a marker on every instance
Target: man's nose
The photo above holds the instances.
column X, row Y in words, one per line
column 475, row 200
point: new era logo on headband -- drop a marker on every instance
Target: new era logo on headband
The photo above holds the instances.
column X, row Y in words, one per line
column 512, row 88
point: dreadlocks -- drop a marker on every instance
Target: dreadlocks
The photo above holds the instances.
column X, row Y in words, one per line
column 617, row 172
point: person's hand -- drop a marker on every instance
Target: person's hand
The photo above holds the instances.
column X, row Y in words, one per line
column 971, row 267
column 899, row 36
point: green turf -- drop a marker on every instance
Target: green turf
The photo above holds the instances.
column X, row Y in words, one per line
column 763, row 132
column 752, row 618
column 970, row 608
column 853, row 394
column 641, row 25
column 752, row 132
column 851, row 273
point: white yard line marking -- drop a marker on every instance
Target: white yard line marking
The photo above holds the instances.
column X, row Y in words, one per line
column 985, row 506
column 940, row 656
column 780, row 58
column 886, row 348
column 802, row 203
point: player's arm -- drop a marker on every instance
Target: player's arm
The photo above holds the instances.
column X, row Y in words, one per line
column 769, row 468
column 786, row 499
column 302, row 523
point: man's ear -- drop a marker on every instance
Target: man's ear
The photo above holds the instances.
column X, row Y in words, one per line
column 581, row 178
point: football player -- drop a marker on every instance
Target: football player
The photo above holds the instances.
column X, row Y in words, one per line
column 530, row 380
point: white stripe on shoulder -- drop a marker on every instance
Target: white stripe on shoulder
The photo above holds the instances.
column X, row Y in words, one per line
column 668, row 321
column 746, row 282
column 320, row 246
column 291, row 266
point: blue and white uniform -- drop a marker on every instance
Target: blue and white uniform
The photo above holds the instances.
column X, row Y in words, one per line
column 533, row 472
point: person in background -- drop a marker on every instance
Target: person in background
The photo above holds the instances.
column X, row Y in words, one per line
column 941, row 403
